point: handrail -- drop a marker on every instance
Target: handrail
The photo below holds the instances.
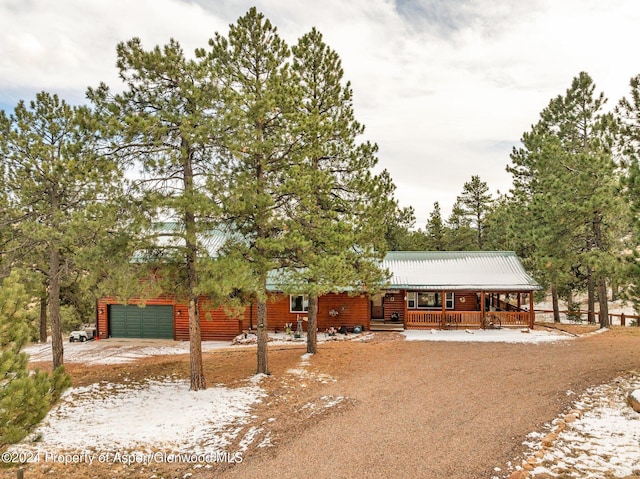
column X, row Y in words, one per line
column 463, row 318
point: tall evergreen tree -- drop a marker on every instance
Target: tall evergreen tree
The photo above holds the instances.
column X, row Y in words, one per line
column 566, row 177
column 400, row 234
column 338, row 203
column 460, row 234
column 628, row 149
column 435, row 230
column 501, row 230
column 475, row 201
column 165, row 122
column 58, row 190
column 260, row 99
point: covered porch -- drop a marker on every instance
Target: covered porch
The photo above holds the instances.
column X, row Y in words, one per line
column 449, row 290
column 496, row 310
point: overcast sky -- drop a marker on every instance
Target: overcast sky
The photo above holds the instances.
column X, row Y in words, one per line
column 445, row 87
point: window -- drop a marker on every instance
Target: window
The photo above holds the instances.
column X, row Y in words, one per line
column 449, row 301
column 429, row 300
column 299, row 304
column 411, row 299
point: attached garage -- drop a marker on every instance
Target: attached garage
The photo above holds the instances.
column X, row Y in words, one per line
column 131, row 321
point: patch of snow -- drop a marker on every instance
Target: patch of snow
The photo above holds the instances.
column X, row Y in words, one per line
column 603, row 442
column 364, row 337
column 326, row 403
column 504, row 335
column 257, row 378
column 248, row 438
column 304, row 359
column 597, row 331
column 108, row 417
column 331, row 401
column 266, row 442
column 116, row 351
column 615, row 307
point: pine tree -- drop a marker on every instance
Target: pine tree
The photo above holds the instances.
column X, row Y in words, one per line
column 259, row 99
column 475, row 201
column 58, row 188
column 568, row 184
column 165, row 122
column 628, row 147
column 337, row 205
column 25, row 396
column 399, row 232
column 460, row 234
column 436, row 230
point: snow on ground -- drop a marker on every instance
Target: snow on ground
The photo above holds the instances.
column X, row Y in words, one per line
column 117, row 418
column 615, row 307
column 603, row 442
column 117, row 351
column 504, row 335
column 142, row 417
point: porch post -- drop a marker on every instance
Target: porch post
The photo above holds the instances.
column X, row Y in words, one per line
column 482, row 310
column 532, row 314
column 405, row 314
column 443, row 318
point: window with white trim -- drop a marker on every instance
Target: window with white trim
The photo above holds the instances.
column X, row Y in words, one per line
column 412, row 299
column 429, row 300
column 298, row 303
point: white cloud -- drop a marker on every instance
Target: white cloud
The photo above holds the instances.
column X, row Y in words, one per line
column 444, row 87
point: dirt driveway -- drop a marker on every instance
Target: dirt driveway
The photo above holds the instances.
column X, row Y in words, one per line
column 389, row 408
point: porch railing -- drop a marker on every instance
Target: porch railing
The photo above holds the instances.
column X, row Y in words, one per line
column 472, row 319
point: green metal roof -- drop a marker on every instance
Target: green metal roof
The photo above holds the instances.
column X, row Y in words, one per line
column 458, row 270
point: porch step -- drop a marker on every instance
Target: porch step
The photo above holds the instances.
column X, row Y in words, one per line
column 382, row 326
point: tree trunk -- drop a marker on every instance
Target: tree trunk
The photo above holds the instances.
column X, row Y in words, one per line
column 601, row 279
column 43, row 318
column 603, row 301
column 556, row 307
column 57, row 348
column 312, row 325
column 263, row 337
column 591, row 296
column 198, row 380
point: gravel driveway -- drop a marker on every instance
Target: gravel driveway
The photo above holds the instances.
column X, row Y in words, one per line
column 436, row 410
column 381, row 408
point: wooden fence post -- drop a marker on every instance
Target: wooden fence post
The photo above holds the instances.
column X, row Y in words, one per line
column 622, row 320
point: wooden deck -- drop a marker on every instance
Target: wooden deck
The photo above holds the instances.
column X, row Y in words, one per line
column 464, row 319
column 381, row 325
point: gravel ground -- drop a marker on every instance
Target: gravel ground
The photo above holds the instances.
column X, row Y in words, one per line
column 384, row 408
column 439, row 410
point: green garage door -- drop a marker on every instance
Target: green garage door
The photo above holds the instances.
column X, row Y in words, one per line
column 135, row 322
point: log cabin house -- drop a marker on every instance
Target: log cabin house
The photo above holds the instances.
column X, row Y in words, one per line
column 428, row 289
column 444, row 289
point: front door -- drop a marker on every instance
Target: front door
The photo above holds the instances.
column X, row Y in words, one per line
column 377, row 306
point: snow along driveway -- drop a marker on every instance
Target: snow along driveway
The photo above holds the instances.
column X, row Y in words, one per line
column 117, row 351
column 138, row 418
column 599, row 438
column 135, row 418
